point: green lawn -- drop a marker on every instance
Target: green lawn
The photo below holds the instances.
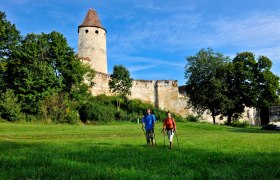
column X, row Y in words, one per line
column 31, row 151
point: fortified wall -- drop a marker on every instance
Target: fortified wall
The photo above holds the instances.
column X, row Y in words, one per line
column 163, row 94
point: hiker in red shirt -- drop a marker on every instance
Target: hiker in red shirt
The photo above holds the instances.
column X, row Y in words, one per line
column 169, row 125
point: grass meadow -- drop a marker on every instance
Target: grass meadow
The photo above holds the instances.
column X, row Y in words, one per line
column 118, row 151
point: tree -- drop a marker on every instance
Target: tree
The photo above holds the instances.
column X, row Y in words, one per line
column 45, row 65
column 9, row 37
column 266, row 87
column 239, row 85
column 206, row 87
column 10, row 109
column 9, row 42
column 120, row 82
column 249, row 82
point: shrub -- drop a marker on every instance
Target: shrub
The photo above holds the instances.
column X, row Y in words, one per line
column 239, row 124
column 106, row 100
column 137, row 106
column 10, row 108
column 193, row 118
column 59, row 109
column 71, row 116
column 121, row 115
column 160, row 115
column 94, row 111
column 179, row 118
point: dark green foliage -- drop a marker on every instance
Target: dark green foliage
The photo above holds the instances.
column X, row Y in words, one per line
column 254, row 84
column 226, row 87
column 9, row 42
column 9, row 37
column 120, row 82
column 131, row 110
column 205, row 86
column 44, row 73
column 94, row 111
column 193, row 118
column 237, row 123
column 121, row 115
column 10, row 108
column 271, row 127
column 137, row 106
column 45, row 65
column 59, row 109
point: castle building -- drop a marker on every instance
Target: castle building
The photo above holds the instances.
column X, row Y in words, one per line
column 92, row 42
column 164, row 94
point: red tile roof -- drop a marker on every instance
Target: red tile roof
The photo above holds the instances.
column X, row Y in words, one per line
column 92, row 20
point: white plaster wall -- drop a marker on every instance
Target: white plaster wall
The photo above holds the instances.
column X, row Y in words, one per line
column 92, row 48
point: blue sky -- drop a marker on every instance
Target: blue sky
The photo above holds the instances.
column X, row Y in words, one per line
column 152, row 38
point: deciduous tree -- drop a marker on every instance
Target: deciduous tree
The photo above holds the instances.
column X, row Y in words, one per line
column 206, row 86
column 120, row 82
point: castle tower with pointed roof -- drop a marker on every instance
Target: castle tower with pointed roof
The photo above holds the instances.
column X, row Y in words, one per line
column 92, row 42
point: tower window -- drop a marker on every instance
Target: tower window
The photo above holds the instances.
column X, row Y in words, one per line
column 96, row 32
column 86, row 31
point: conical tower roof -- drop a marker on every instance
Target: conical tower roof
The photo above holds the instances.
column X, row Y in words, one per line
column 92, row 20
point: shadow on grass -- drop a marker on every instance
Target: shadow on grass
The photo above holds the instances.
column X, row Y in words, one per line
column 254, row 130
column 102, row 161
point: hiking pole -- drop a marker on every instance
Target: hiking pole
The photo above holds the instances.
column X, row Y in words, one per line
column 155, row 138
column 163, row 138
column 177, row 139
column 144, row 132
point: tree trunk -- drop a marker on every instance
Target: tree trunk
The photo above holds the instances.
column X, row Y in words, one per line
column 214, row 118
column 118, row 105
column 229, row 115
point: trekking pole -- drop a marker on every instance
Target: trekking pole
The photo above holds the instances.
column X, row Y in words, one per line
column 144, row 132
column 177, row 139
column 163, row 137
column 155, row 138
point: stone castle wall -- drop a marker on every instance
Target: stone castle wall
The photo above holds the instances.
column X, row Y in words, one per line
column 163, row 94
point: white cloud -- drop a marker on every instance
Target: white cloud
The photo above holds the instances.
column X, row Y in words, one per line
column 146, row 62
column 257, row 30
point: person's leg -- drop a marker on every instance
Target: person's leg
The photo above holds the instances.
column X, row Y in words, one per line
column 170, row 138
column 152, row 137
column 147, row 138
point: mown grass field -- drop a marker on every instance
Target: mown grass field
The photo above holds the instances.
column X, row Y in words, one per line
column 118, row 151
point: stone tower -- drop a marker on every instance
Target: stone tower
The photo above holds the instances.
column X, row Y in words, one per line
column 92, row 42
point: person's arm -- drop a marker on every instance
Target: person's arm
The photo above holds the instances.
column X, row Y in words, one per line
column 154, row 120
column 143, row 122
column 163, row 126
column 174, row 125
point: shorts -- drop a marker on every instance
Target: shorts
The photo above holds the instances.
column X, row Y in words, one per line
column 170, row 134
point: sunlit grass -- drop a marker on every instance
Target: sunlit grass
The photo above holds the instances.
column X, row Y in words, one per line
column 118, row 151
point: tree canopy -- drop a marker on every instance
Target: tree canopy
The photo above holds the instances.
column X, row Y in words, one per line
column 225, row 87
column 120, row 82
column 38, row 66
column 206, row 87
column 9, row 37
